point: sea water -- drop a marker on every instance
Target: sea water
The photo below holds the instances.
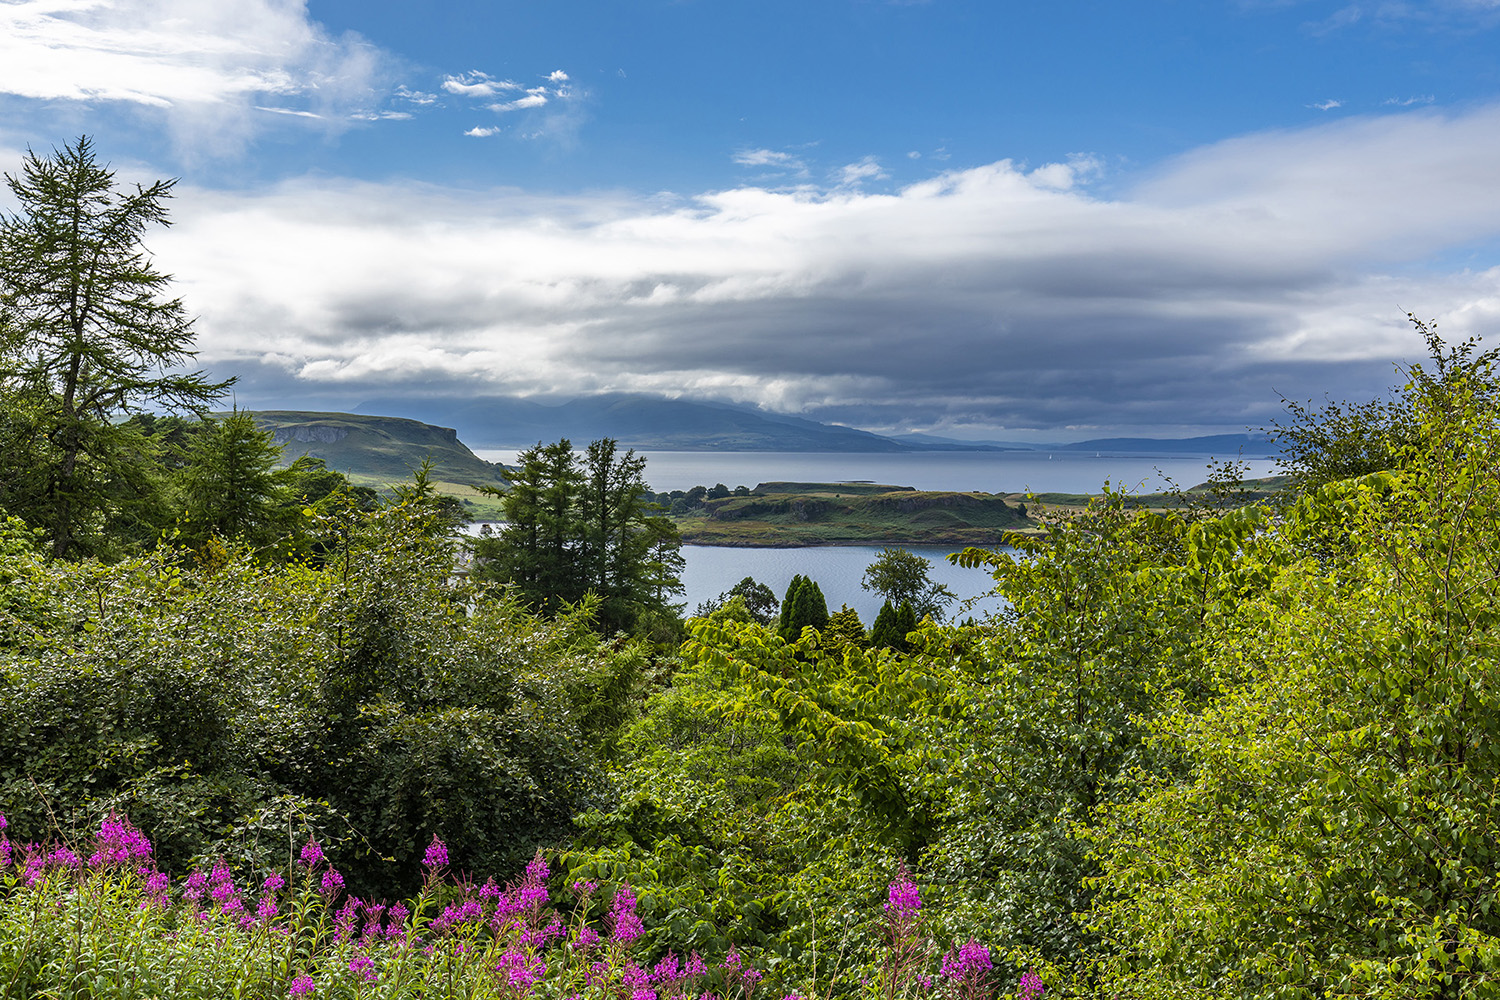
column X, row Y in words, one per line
column 713, row 569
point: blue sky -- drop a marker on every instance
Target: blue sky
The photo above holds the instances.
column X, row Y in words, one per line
column 967, row 217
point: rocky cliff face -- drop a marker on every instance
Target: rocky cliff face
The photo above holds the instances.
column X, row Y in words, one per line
column 309, row 433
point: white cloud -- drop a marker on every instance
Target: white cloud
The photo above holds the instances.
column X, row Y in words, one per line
column 854, row 174
column 1408, row 102
column 477, row 84
column 1327, row 105
column 557, row 76
column 203, row 64
column 767, row 158
column 288, row 111
column 1272, row 262
column 484, row 132
column 535, row 97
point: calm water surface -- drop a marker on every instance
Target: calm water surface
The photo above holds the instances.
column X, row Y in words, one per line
column 713, row 569
column 989, row 472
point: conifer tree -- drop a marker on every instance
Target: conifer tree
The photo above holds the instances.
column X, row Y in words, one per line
column 87, row 335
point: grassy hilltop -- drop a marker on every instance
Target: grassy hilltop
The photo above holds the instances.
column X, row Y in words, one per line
column 380, row 451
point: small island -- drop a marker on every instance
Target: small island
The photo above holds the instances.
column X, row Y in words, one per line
column 799, row 514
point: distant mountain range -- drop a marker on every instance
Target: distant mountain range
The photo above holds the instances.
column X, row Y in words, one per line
column 641, row 421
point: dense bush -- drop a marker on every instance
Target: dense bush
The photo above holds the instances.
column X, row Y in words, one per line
column 372, row 700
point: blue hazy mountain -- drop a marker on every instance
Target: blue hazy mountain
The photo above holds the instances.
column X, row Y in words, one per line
column 641, row 421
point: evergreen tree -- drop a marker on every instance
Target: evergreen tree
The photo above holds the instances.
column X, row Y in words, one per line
column 573, row 528
column 884, row 634
column 804, row 605
column 230, row 487
column 788, row 609
column 845, row 628
column 86, row 336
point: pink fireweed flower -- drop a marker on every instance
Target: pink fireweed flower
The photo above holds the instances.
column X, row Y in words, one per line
column 64, row 858
column 118, row 842
column 634, row 976
column 1031, row 987
column 343, row 923
column 373, row 913
column 522, row 971
column 273, row 883
column 644, row 993
column 437, row 854
column 267, row 909
column 458, row 914
column 333, row 882
column 363, row 966
column 312, row 853
column 194, row 887
column 395, row 924
column 902, row 897
column 587, row 937
column 625, row 926
column 157, row 885
column 583, row 888
column 695, row 966
column 968, row 961
column 5, row 850
column 668, row 970
column 301, row 986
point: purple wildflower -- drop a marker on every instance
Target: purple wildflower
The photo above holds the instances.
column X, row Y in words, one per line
column 1031, row 987
column 312, row 853
column 364, row 967
column 644, row 993
column 902, row 897
column 695, row 966
column 119, row 842
column 195, row 885
column 373, row 913
column 64, row 858
column 343, row 923
column 625, row 926
column 272, row 883
column 587, row 937
column 437, row 854
column 583, row 888
column 634, row 976
column 301, row 986
column 267, row 909
column 333, row 882
column 395, row 924
column 522, row 971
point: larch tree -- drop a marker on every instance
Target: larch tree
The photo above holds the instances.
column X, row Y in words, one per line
column 88, row 332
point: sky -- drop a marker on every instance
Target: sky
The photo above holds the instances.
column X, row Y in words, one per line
column 974, row 218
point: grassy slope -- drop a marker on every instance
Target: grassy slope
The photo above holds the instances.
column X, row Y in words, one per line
column 382, row 451
column 851, row 514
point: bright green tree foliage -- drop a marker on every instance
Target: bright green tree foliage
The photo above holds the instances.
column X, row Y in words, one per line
column 900, row 576
column 1334, row 829
column 845, row 628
